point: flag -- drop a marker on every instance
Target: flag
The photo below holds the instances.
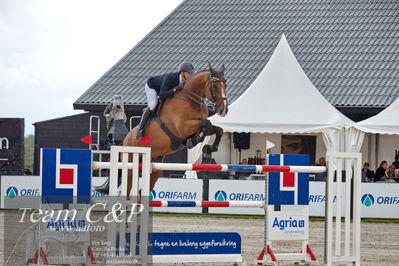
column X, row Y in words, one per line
column 88, row 139
column 146, row 140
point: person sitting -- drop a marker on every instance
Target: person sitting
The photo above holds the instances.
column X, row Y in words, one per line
column 322, row 161
column 380, row 173
column 163, row 86
column 321, row 176
column 367, row 174
column 390, row 172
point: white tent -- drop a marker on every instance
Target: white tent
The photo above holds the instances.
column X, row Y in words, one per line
column 386, row 122
column 282, row 99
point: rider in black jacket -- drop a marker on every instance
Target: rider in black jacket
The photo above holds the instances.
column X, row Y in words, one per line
column 163, row 86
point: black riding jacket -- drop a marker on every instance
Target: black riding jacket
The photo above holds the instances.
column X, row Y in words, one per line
column 163, row 84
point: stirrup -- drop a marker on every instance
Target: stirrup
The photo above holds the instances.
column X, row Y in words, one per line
column 140, row 134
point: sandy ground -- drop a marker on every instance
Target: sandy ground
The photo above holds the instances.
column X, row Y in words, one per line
column 379, row 242
column 379, row 246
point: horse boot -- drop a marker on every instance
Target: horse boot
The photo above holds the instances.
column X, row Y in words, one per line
column 143, row 122
column 194, row 140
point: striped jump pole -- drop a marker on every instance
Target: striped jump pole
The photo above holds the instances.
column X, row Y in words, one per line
column 204, row 204
column 222, row 167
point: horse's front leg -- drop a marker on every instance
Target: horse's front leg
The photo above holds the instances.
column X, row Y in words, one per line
column 218, row 131
column 197, row 129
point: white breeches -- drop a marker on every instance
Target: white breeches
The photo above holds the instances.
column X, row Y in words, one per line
column 152, row 97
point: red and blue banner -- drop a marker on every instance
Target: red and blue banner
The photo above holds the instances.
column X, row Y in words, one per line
column 287, row 188
column 66, row 174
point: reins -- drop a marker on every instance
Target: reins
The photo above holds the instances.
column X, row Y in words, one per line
column 203, row 101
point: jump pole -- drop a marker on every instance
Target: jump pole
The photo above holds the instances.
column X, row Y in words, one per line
column 351, row 160
column 220, row 167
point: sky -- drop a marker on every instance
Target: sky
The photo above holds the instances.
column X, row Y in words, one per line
column 52, row 51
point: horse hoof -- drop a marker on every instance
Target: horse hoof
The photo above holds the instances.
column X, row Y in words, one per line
column 189, row 144
column 207, row 149
column 214, row 149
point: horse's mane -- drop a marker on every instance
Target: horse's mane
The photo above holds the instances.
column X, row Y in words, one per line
column 204, row 70
column 197, row 73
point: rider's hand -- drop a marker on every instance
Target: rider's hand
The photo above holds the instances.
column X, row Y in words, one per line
column 178, row 88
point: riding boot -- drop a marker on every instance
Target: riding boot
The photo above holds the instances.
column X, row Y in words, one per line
column 143, row 122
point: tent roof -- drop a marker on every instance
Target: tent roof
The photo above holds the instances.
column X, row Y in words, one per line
column 282, row 99
column 386, row 122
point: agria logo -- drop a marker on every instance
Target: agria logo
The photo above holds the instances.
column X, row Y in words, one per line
column 12, row 192
column 220, row 195
column 367, row 200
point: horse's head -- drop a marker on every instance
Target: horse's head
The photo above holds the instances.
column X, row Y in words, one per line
column 217, row 90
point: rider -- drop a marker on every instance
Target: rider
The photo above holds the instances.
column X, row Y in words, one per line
column 163, row 86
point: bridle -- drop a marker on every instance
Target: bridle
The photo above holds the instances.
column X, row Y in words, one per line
column 210, row 104
column 211, row 88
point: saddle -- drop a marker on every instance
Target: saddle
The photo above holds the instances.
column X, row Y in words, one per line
column 177, row 143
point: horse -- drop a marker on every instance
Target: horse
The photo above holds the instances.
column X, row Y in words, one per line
column 182, row 120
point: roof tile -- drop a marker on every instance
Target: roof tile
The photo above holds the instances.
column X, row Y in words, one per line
column 349, row 49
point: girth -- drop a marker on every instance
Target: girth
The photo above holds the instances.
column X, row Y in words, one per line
column 176, row 143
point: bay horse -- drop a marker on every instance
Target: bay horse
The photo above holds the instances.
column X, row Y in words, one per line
column 182, row 119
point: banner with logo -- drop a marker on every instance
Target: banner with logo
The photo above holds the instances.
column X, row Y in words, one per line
column 288, row 188
column 66, row 174
column 17, row 186
column 317, row 198
column 175, row 189
column 288, row 226
column 231, row 190
column 380, row 200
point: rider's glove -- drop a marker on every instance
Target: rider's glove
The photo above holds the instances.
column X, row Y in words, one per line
column 178, row 88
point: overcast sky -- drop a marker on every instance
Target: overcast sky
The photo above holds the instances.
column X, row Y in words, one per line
column 52, row 51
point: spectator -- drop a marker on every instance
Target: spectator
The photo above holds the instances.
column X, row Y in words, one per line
column 380, row 173
column 390, row 173
column 367, row 174
column 321, row 176
column 322, row 162
column 244, row 161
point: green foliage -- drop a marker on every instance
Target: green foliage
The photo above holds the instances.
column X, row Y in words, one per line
column 29, row 150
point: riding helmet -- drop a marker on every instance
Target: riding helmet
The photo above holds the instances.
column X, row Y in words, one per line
column 186, row 67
